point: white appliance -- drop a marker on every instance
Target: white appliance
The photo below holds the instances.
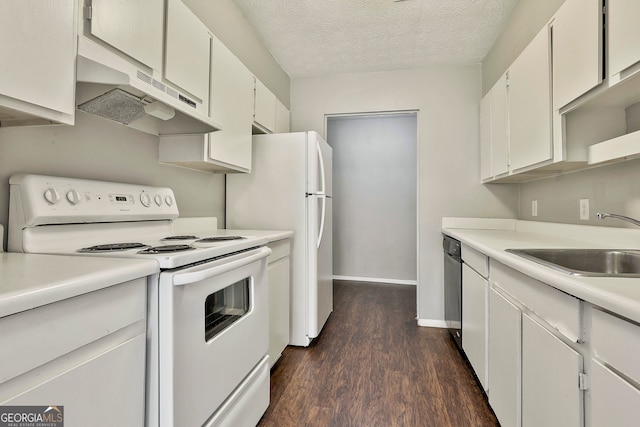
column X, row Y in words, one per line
column 290, row 188
column 207, row 331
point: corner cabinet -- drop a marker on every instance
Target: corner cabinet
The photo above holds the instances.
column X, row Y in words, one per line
column 232, row 100
column 39, row 43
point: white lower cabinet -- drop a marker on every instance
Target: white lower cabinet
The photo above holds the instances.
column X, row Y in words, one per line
column 551, row 396
column 279, row 273
column 614, row 401
column 474, row 331
column 505, row 320
column 615, row 372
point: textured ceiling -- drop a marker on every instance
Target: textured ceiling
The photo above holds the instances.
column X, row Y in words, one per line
column 323, row 37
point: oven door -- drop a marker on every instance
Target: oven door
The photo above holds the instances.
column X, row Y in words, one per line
column 213, row 331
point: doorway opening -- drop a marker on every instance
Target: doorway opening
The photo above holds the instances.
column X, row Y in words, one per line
column 375, row 210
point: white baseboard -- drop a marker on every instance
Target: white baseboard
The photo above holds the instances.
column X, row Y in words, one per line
column 432, row 323
column 376, row 280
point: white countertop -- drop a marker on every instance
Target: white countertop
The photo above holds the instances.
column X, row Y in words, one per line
column 31, row 280
column 618, row 295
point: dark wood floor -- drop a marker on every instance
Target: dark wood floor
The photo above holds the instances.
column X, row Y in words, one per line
column 373, row 366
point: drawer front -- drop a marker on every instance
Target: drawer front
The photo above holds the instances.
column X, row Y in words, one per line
column 279, row 249
column 558, row 309
column 616, row 342
column 476, row 260
column 34, row 337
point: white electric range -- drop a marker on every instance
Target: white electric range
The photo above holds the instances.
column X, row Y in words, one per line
column 208, row 310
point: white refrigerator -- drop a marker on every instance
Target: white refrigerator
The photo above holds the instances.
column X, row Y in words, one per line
column 289, row 188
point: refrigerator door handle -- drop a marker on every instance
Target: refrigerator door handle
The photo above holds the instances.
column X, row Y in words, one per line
column 324, row 210
column 321, row 163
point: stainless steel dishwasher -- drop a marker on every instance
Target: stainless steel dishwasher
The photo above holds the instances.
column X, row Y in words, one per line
column 453, row 287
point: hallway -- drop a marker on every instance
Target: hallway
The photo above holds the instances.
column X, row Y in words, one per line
column 373, row 366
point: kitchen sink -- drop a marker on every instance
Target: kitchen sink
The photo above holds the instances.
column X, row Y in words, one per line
column 586, row 262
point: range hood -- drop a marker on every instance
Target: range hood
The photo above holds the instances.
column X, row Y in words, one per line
column 110, row 86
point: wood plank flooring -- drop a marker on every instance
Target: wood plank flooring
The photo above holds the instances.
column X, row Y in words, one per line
column 373, row 366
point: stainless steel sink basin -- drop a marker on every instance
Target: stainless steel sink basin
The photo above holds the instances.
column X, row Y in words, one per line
column 586, row 262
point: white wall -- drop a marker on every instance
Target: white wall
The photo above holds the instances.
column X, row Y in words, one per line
column 447, row 100
column 97, row 148
column 228, row 23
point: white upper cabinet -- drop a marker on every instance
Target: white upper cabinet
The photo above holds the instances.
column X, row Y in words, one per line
column 264, row 113
column 187, row 50
column 283, row 118
column 494, row 138
column 134, row 28
column 623, row 34
column 577, row 50
column 530, row 132
column 38, row 50
column 499, row 128
column 232, row 106
column 485, row 137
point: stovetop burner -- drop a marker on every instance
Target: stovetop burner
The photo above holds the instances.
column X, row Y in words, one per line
column 166, row 249
column 113, row 247
column 186, row 237
column 219, row 239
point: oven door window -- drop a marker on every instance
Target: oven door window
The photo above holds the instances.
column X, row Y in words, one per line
column 225, row 307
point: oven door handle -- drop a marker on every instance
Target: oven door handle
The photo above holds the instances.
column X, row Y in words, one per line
column 204, row 272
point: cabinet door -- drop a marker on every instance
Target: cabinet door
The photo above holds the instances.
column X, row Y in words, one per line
column 485, row 137
column 614, row 402
column 38, row 51
column 550, row 393
column 187, row 50
column 279, row 277
column 474, row 322
column 264, row 113
column 623, row 34
column 232, row 106
column 505, row 321
column 132, row 27
column 91, row 389
column 282, row 118
column 499, row 128
column 577, row 50
column 530, row 139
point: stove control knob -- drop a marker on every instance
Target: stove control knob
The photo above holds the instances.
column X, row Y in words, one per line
column 145, row 199
column 74, row 197
column 51, row 195
column 158, row 200
column 168, row 200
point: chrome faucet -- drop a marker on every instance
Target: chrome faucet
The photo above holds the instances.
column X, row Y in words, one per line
column 616, row 216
